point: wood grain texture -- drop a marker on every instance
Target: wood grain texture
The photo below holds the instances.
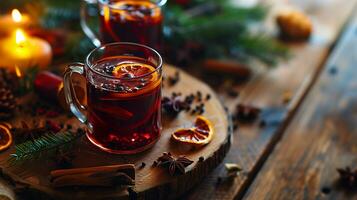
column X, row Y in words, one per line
column 321, row 138
column 151, row 182
column 252, row 144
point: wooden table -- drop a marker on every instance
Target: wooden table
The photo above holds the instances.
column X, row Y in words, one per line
column 296, row 155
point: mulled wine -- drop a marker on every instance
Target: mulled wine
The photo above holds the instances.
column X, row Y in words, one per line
column 123, row 111
column 125, row 115
column 138, row 21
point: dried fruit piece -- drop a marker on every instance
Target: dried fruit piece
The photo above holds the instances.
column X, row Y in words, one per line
column 200, row 134
column 5, row 137
column 294, row 25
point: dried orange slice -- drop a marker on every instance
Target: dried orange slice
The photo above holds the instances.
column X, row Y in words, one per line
column 132, row 70
column 138, row 78
column 9, row 126
column 200, row 134
column 5, row 137
column 136, row 10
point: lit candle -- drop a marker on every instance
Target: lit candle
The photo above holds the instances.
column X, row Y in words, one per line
column 9, row 23
column 24, row 51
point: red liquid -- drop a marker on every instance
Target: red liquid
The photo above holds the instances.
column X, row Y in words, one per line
column 131, row 21
column 125, row 117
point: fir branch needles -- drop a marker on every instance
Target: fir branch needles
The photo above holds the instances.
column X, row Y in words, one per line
column 33, row 149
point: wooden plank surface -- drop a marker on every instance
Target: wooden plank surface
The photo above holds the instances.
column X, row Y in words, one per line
column 321, row 138
column 252, row 144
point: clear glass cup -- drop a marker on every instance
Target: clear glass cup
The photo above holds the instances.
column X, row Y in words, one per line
column 138, row 21
column 123, row 111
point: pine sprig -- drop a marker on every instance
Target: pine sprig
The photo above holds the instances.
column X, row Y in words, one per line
column 44, row 145
column 260, row 47
column 26, row 82
column 221, row 31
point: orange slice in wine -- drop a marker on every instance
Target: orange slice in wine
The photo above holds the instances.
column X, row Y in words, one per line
column 137, row 78
column 132, row 70
column 5, row 137
column 200, row 134
column 137, row 10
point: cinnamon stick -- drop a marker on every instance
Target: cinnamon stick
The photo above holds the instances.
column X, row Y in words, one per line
column 227, row 66
column 94, row 176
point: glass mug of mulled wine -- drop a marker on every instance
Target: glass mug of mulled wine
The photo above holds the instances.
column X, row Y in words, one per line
column 138, row 21
column 123, row 111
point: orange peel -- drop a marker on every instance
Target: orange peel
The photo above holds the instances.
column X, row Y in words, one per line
column 5, row 137
column 199, row 135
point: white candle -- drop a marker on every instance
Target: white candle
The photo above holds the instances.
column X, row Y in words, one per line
column 22, row 51
column 9, row 23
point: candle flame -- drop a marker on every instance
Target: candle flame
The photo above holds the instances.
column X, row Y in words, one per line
column 18, row 71
column 20, row 37
column 16, row 15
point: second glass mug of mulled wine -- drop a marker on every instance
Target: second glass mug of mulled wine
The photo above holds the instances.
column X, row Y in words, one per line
column 138, row 21
column 123, row 112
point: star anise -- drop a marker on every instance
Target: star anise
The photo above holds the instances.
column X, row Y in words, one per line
column 63, row 159
column 24, row 133
column 347, row 176
column 174, row 105
column 27, row 132
column 246, row 113
column 174, row 165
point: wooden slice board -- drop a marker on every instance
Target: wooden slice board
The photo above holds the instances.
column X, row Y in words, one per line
column 151, row 182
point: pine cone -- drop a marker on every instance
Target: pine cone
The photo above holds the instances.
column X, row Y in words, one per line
column 7, row 103
column 8, row 79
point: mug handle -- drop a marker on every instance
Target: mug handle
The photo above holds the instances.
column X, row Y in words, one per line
column 71, row 98
column 83, row 21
